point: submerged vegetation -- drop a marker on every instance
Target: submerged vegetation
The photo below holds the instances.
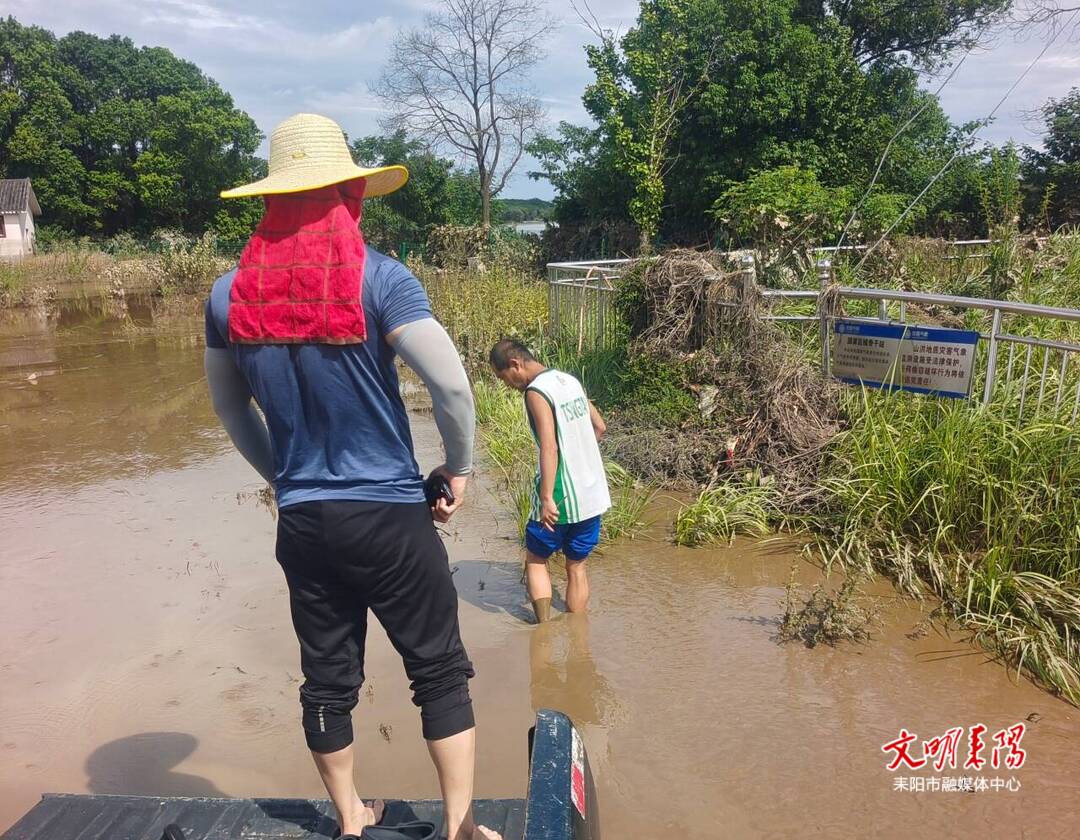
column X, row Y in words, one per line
column 824, row 618
column 976, row 506
column 168, row 264
column 969, row 504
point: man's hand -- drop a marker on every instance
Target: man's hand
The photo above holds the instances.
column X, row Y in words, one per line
column 549, row 514
column 442, row 511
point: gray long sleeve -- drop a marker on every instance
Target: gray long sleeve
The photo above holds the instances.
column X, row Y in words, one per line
column 234, row 406
column 426, row 348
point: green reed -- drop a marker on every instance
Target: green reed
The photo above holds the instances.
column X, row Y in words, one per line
column 480, row 307
column 726, row 510
column 980, row 509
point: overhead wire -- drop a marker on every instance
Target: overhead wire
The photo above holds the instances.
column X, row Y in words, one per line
column 982, row 124
column 888, row 146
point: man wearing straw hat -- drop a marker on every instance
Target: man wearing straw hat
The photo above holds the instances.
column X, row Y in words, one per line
column 308, row 326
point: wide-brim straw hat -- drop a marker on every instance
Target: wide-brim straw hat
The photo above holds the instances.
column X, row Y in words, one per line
column 308, row 152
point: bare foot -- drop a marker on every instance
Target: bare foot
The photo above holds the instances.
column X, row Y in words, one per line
column 361, row 817
column 478, row 832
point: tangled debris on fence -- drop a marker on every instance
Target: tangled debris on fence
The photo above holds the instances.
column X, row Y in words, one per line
column 679, row 299
column 765, row 409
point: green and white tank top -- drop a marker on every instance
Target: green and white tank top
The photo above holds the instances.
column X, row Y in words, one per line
column 581, row 490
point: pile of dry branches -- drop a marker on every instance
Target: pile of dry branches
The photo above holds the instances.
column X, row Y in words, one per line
column 683, row 297
column 764, row 407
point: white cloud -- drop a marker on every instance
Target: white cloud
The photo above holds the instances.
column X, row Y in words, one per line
column 354, row 100
column 319, row 55
column 198, row 16
column 1064, row 62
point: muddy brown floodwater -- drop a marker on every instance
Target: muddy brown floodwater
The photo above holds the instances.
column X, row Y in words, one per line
column 145, row 644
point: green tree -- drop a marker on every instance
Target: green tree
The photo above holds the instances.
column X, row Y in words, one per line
column 782, row 83
column 1052, row 174
column 788, row 203
column 117, row 137
column 788, row 207
column 642, row 87
column 436, row 193
column 581, row 166
column 923, row 34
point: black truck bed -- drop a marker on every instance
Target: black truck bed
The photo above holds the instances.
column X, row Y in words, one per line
column 88, row 817
column 561, row 805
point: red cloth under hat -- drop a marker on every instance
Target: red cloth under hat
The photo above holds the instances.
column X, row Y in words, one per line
column 301, row 274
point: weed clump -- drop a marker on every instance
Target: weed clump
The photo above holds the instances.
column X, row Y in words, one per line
column 822, row 618
column 185, row 266
column 721, row 513
column 477, row 308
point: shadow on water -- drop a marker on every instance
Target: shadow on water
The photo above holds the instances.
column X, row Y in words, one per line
column 143, row 765
column 495, row 588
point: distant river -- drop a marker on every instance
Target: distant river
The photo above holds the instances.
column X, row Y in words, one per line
column 536, row 227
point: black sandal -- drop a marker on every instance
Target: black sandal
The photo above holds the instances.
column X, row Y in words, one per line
column 419, row 830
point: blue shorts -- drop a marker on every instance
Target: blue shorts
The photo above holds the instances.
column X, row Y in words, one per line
column 576, row 541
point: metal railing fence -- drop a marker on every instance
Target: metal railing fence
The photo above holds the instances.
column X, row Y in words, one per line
column 1039, row 371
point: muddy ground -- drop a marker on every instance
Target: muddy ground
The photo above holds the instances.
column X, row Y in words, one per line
column 146, row 646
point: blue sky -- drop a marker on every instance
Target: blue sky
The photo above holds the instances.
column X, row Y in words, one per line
column 277, row 58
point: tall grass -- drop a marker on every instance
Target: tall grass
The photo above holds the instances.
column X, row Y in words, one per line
column 602, row 372
column 981, row 510
column 176, row 265
column 480, row 307
column 11, row 284
column 722, row 512
column 20, row 279
column 957, row 478
column 186, row 266
column 504, row 429
column 630, row 500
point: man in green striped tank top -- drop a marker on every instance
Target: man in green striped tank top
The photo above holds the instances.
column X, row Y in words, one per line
column 570, row 491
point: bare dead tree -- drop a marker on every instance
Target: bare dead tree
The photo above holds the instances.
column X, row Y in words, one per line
column 460, row 84
column 1048, row 16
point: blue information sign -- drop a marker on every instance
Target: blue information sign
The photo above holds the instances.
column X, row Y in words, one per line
column 926, row 360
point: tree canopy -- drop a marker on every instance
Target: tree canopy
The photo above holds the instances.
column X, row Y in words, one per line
column 118, row 137
column 821, row 86
column 1053, row 173
column 436, row 192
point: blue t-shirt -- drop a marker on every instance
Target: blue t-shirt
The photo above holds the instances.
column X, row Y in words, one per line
column 338, row 427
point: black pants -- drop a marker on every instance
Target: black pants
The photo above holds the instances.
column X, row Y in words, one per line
column 342, row 557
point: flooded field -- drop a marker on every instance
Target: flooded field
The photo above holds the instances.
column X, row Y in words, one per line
column 146, row 645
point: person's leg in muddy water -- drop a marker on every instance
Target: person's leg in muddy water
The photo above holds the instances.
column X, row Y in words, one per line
column 580, row 540
column 577, row 586
column 576, row 541
column 538, row 584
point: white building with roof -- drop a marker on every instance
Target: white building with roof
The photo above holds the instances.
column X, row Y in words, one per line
column 19, row 206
